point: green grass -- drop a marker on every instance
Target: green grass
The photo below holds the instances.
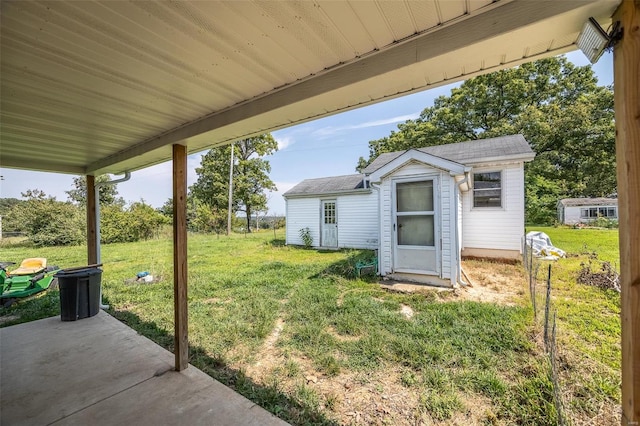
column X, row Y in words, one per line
column 341, row 328
column 588, row 318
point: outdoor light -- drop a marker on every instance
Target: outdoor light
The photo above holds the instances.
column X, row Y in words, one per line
column 593, row 40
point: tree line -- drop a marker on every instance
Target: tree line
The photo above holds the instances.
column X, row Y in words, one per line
column 564, row 114
column 48, row 222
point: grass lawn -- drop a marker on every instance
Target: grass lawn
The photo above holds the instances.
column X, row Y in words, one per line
column 588, row 321
column 296, row 332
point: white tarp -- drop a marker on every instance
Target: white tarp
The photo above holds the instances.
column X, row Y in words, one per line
column 541, row 245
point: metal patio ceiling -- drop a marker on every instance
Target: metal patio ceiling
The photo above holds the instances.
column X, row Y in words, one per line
column 108, row 86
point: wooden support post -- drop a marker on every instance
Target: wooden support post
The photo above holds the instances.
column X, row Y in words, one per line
column 92, row 244
column 181, row 338
column 626, row 67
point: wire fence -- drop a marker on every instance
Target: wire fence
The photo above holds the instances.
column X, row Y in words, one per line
column 539, row 275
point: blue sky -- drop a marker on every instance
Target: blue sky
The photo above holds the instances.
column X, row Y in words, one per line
column 329, row 146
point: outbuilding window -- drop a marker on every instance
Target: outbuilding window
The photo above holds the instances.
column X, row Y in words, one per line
column 487, row 189
column 595, row 212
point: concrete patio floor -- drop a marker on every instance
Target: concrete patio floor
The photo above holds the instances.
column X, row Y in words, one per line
column 98, row 371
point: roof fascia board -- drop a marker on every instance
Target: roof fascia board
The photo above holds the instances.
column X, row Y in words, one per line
column 501, row 159
column 488, row 23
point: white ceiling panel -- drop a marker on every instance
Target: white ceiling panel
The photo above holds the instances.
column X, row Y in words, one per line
column 109, row 86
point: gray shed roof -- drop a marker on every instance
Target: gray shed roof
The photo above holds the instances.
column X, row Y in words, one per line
column 589, row 202
column 465, row 152
column 328, row 185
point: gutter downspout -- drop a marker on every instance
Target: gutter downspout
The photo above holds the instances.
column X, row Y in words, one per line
column 127, row 176
column 459, row 272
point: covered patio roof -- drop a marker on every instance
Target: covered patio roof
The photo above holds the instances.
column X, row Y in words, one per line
column 108, row 87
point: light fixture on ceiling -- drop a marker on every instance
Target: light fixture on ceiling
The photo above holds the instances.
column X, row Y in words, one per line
column 594, row 40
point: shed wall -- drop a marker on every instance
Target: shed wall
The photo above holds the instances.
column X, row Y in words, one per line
column 357, row 217
column 496, row 228
column 572, row 214
column 303, row 213
column 358, row 221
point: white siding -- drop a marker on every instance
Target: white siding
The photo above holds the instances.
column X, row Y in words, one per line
column 499, row 228
column 445, row 204
column 357, row 217
column 385, row 261
column 358, row 221
column 303, row 213
column 572, row 214
column 447, row 221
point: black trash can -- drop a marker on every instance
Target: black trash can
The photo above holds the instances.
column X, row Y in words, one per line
column 79, row 293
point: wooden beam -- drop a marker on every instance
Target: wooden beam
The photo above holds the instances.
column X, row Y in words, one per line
column 626, row 67
column 92, row 243
column 181, row 338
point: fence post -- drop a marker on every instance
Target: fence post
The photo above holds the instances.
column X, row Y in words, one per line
column 546, row 311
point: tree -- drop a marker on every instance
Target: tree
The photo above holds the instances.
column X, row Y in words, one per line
column 250, row 177
column 167, row 208
column 559, row 108
column 9, row 221
column 48, row 222
column 108, row 194
column 138, row 222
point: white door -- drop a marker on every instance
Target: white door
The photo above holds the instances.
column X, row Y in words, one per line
column 329, row 224
column 415, row 226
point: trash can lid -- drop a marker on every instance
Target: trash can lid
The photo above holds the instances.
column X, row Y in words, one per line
column 85, row 272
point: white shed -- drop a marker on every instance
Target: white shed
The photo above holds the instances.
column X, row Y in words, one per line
column 339, row 211
column 576, row 210
column 422, row 209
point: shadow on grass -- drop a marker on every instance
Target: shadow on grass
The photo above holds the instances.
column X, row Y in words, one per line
column 277, row 242
column 347, row 268
column 270, row 397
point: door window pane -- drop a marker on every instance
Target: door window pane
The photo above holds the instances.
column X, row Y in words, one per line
column 415, row 196
column 330, row 213
column 415, row 230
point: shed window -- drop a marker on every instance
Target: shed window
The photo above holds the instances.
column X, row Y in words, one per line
column 596, row 212
column 487, row 189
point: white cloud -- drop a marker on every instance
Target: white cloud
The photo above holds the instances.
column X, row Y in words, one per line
column 284, row 141
column 331, row 130
column 383, row 122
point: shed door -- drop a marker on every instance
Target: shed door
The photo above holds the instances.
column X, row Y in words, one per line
column 416, row 227
column 329, row 224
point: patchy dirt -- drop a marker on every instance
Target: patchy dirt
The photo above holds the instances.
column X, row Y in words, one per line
column 411, row 287
column 406, row 311
column 268, row 356
column 491, row 282
column 8, row 318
